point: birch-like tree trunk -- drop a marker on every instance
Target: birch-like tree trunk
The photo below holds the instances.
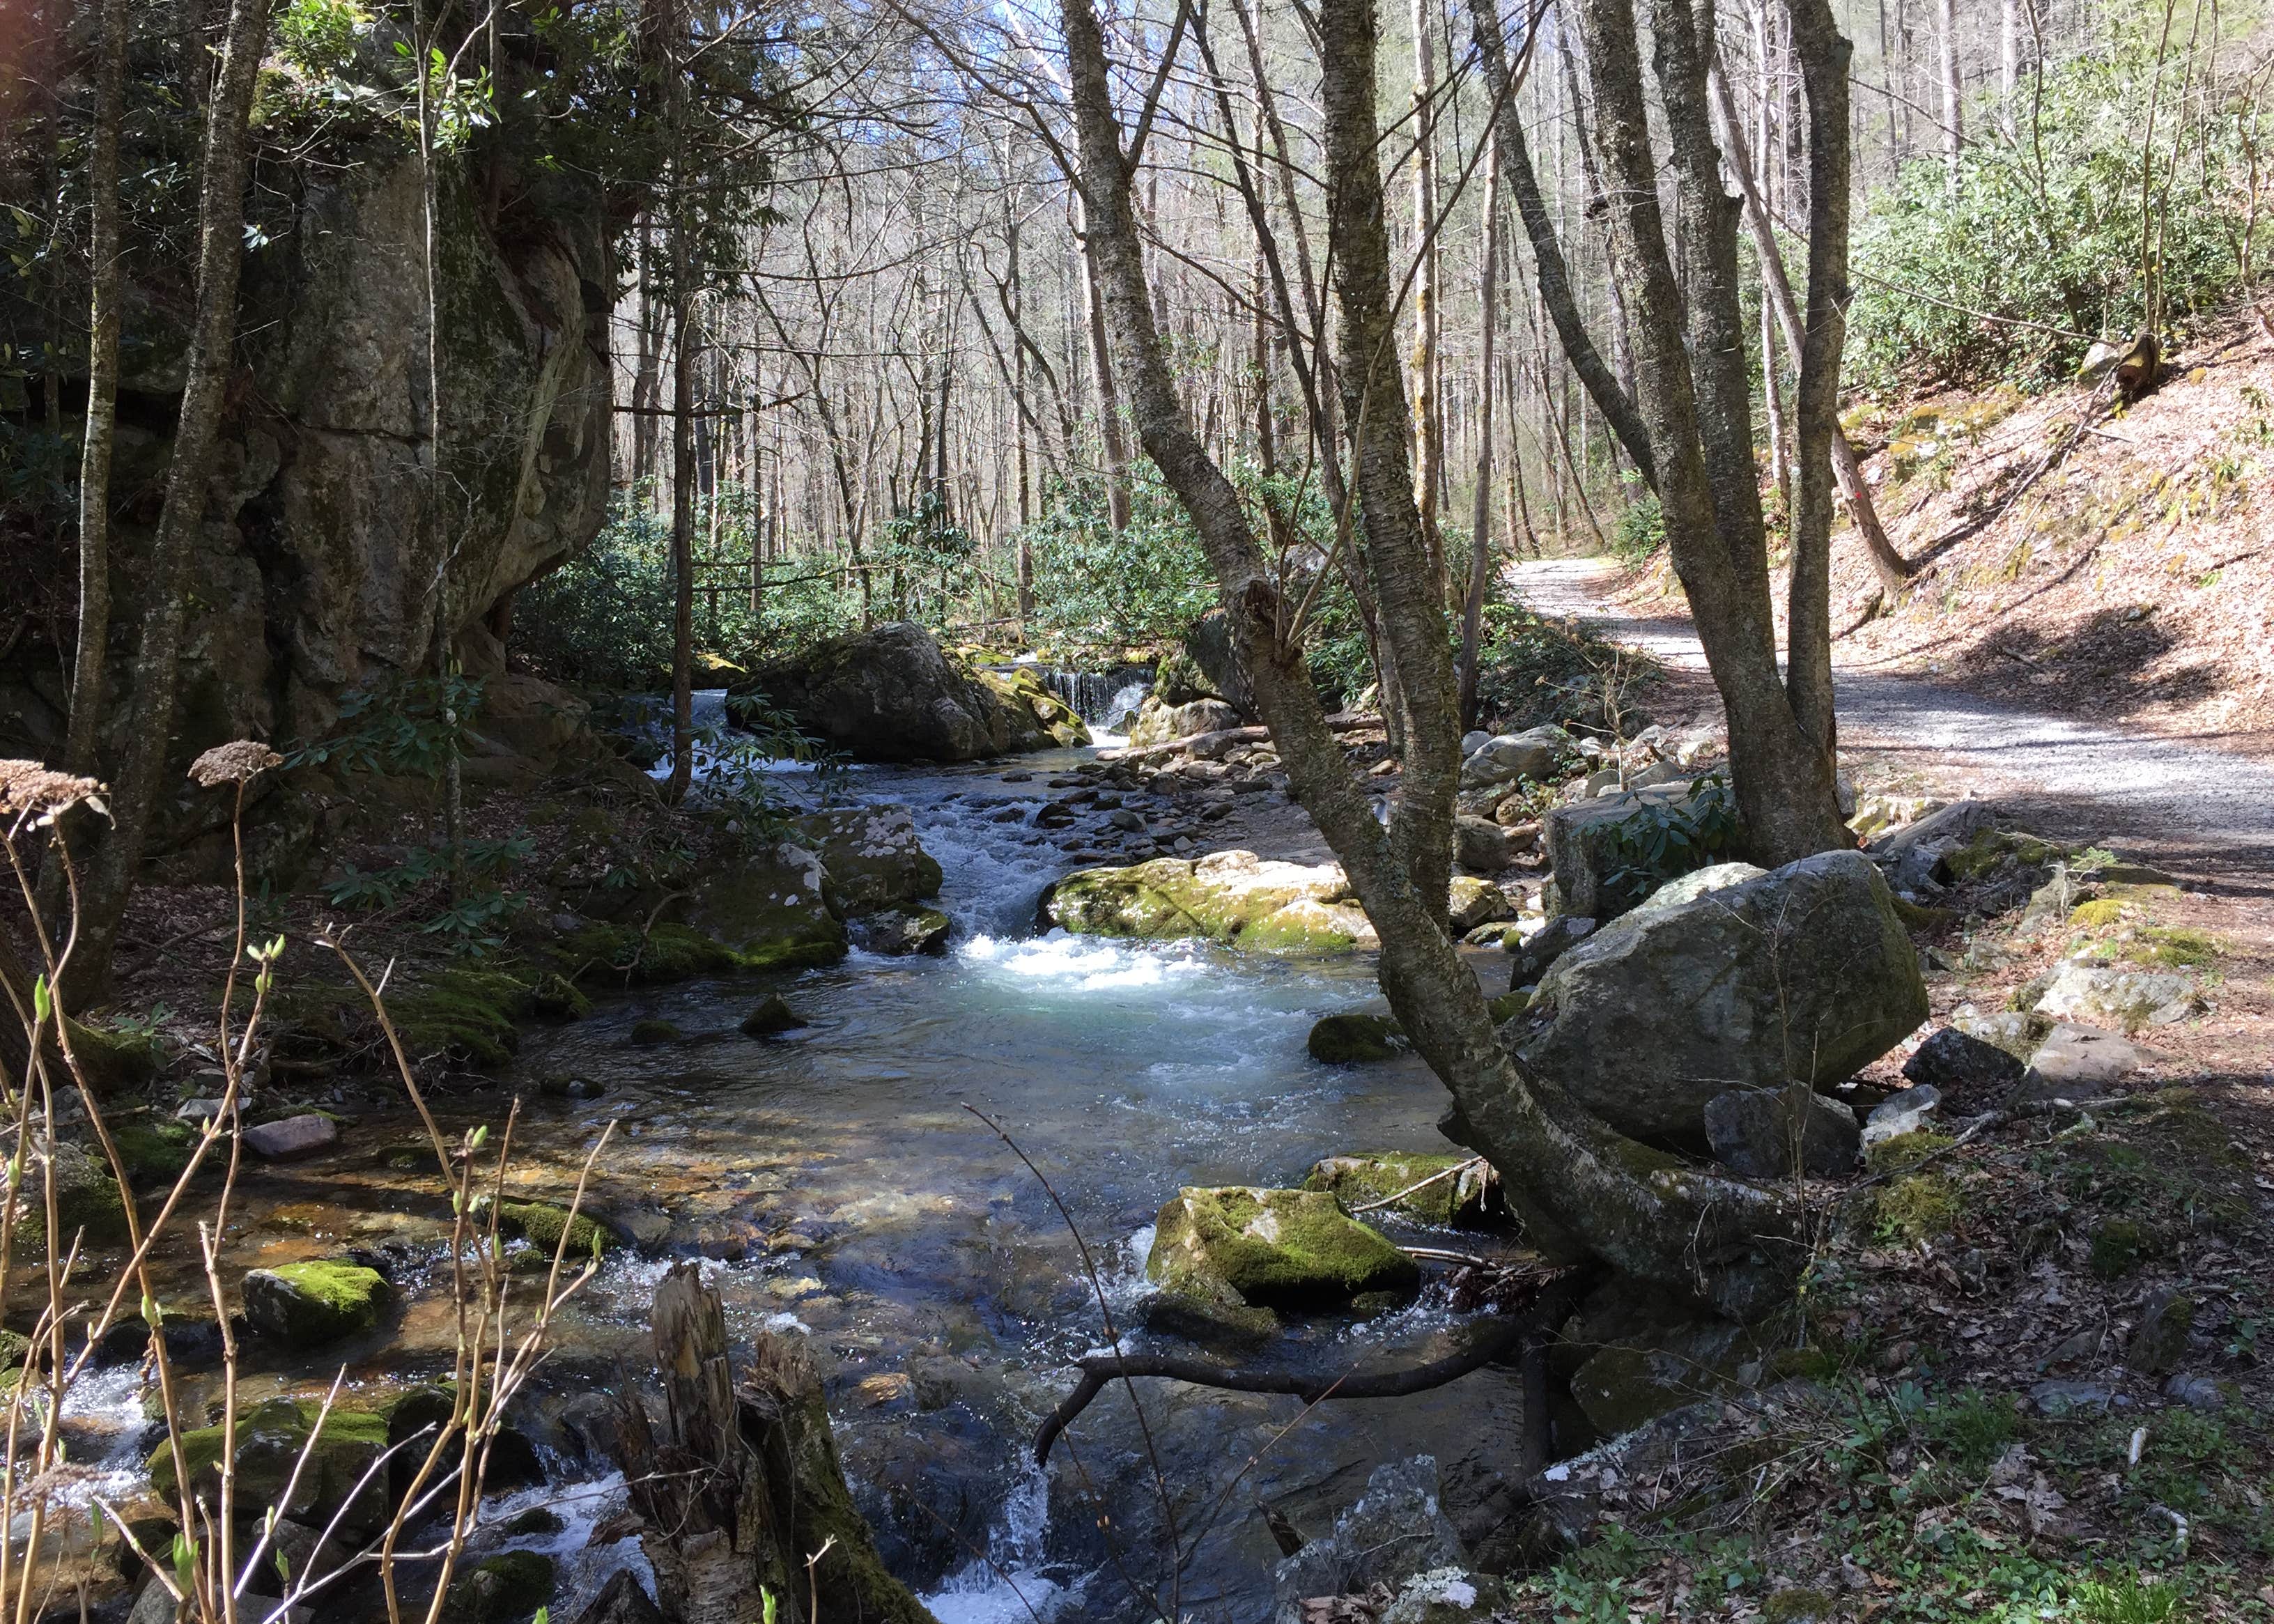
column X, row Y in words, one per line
column 197, row 434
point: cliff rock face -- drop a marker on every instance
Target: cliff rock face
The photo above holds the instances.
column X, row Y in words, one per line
column 329, row 519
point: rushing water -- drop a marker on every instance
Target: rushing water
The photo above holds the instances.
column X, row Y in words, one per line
column 843, row 1182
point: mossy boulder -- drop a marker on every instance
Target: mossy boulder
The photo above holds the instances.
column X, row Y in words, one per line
column 87, row 1202
column 308, row 1305
column 1292, row 1249
column 892, row 694
column 651, row 1032
column 771, row 1017
column 14, row 1349
column 542, row 1225
column 497, row 1590
column 1460, row 1189
column 903, row 932
column 870, row 858
column 1019, row 689
column 270, row 1441
column 153, row 1150
column 769, row 911
column 1233, row 898
column 468, row 1015
column 1355, row 1039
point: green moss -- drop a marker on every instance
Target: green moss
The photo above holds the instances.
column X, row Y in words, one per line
column 1793, row 1606
column 470, row 1016
column 2096, row 915
column 1376, row 1176
column 269, row 1443
column 114, row 1060
column 542, row 1225
column 87, row 1202
column 2177, row 947
column 153, row 1150
column 512, row 1584
column 650, row 1031
column 1905, row 1151
column 1919, row 1208
column 1275, row 1248
column 1354, row 1039
column 14, row 1347
column 2118, row 1245
column 1508, row 1006
column 556, row 997
column 672, row 953
column 306, row 1305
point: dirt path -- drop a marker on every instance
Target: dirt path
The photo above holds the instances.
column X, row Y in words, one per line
column 2201, row 812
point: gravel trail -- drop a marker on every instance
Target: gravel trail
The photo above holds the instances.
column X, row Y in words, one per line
column 2198, row 810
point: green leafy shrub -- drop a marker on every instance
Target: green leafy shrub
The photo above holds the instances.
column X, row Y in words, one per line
column 1663, row 841
column 1641, row 529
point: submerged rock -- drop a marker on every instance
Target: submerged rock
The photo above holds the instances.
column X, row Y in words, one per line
column 771, row 1017
column 1434, row 1186
column 900, row 932
column 512, row 1584
column 1355, row 1039
column 891, row 694
column 1394, row 1533
column 1274, row 1248
column 307, row 1304
column 1804, row 973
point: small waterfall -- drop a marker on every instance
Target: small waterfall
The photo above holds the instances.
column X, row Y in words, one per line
column 1102, row 698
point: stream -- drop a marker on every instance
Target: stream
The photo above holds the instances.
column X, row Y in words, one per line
column 840, row 1185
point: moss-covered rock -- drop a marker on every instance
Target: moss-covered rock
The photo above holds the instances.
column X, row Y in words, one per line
column 1275, row 1248
column 1464, row 1197
column 1354, row 1039
column 512, row 1584
column 270, row 1441
column 902, row 932
column 600, row 954
column 542, row 1224
column 466, row 1014
column 153, row 1150
column 771, row 1017
column 307, row 1304
column 770, row 911
column 1019, row 689
column 14, row 1349
column 88, row 1201
column 1233, row 898
column 870, row 858
column 650, row 1032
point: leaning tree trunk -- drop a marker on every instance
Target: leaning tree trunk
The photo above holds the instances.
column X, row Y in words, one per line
column 197, row 432
column 1583, row 1190
column 741, row 1489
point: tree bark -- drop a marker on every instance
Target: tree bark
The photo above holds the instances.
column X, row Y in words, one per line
column 221, row 250
column 105, row 258
column 1954, row 103
column 1699, row 417
column 1554, row 277
column 1583, row 1189
column 1482, row 552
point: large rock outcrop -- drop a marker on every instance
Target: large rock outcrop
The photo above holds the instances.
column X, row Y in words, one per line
column 1233, row 898
column 318, row 568
column 1802, row 974
column 891, row 694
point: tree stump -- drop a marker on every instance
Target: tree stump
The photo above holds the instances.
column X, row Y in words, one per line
column 742, row 1488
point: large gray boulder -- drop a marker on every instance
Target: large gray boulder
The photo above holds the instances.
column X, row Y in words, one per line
column 1506, row 757
column 1804, row 974
column 892, row 694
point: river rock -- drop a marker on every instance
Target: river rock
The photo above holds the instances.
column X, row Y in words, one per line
column 1470, row 902
column 307, row 1304
column 870, row 858
column 88, row 1201
column 772, row 908
column 1581, row 841
column 1159, row 722
column 270, row 1441
column 891, row 693
column 2078, row 1063
column 1804, row 973
column 1395, row 1531
column 1962, row 1065
column 291, row 1136
column 1544, row 946
column 1229, row 897
column 2123, row 999
column 1533, row 753
column 1022, row 689
column 1481, row 845
column 1354, row 1039
column 1461, row 1189
column 1698, row 883
column 1756, row 1132
column 771, row 1017
column 1275, row 1249
column 500, row 1589
column 900, row 932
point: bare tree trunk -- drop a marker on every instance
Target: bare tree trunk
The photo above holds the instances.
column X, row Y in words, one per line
column 1954, row 109
column 221, row 251
column 1482, row 552
column 1109, row 393
column 1554, row 277
column 1429, row 432
column 682, row 460
column 1583, row 1189
column 1696, row 399
column 106, row 256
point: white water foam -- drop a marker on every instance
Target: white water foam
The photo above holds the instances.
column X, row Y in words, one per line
column 1083, row 964
column 581, row 1569
column 1009, row 1586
